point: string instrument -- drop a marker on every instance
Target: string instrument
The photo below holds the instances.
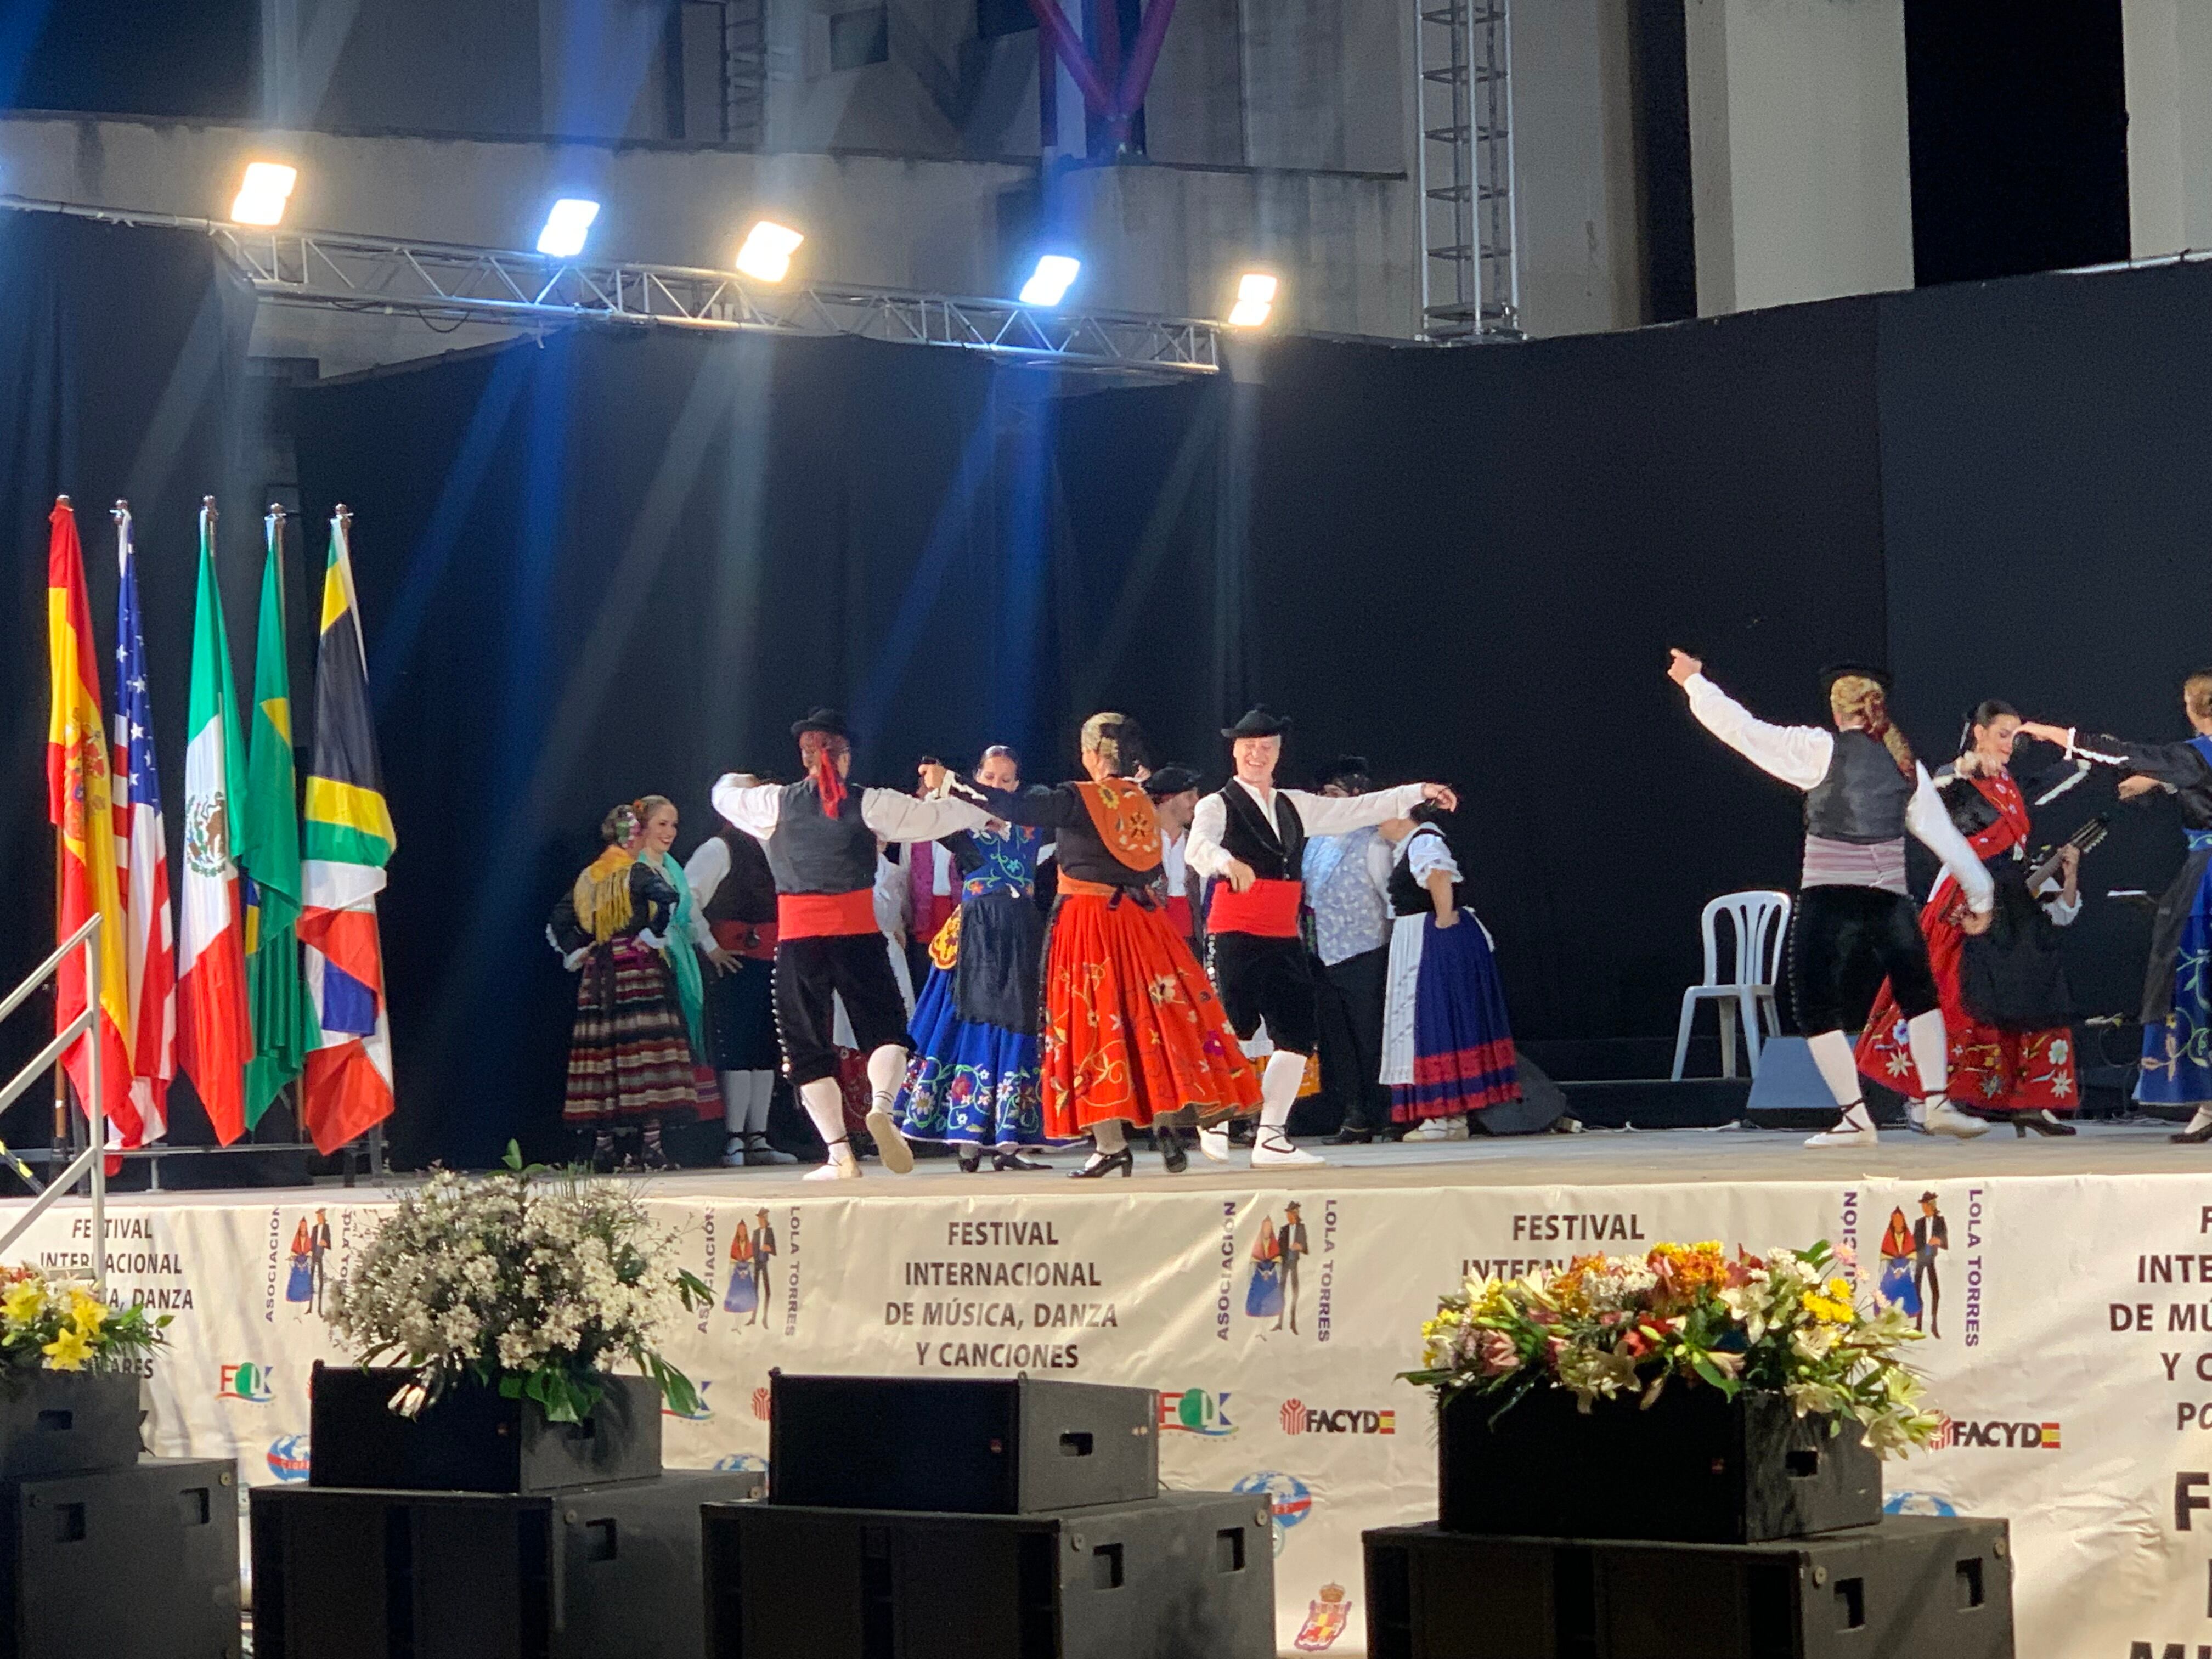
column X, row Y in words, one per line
column 2088, row 835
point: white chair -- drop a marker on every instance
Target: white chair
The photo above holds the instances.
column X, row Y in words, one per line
column 1761, row 922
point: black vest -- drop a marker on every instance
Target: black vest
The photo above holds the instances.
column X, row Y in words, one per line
column 1276, row 852
column 747, row 893
column 813, row 853
column 1409, row 897
column 1864, row 796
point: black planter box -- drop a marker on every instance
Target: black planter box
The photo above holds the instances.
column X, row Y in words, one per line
column 1912, row 1587
column 961, row 1445
column 69, row 1423
column 473, row 1439
column 1694, row 1468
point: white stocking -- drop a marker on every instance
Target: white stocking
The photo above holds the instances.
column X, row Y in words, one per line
column 736, row 1099
column 886, row 1071
column 756, row 1109
column 1279, row 1087
column 1831, row 1053
column 1109, row 1135
column 1931, row 1053
column 825, row 1104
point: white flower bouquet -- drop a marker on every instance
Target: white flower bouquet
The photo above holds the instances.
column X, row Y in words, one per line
column 534, row 1282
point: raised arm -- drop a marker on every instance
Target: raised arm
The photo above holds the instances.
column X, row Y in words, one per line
column 1798, row 755
column 1339, row 814
column 896, row 817
column 1930, row 823
column 753, row 808
column 1043, row 809
column 2178, row 765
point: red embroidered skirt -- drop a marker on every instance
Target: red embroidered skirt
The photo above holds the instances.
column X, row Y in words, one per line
column 1132, row 1029
column 2001, row 1070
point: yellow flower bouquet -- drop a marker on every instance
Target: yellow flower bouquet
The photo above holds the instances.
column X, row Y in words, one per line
column 49, row 1322
column 1608, row 1327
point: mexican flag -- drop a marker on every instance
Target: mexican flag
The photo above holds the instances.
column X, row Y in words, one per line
column 215, row 1038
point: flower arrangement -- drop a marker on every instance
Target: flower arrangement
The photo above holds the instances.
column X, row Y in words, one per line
column 52, row 1324
column 531, row 1281
column 1611, row 1327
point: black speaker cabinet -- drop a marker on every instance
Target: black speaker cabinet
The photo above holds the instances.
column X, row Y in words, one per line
column 963, row 1446
column 133, row 1562
column 1709, row 1470
column 473, row 1438
column 68, row 1422
column 1911, row 1588
column 401, row 1575
column 1183, row 1576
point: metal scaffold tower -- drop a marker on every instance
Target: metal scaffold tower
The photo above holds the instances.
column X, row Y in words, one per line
column 1470, row 278
column 744, row 72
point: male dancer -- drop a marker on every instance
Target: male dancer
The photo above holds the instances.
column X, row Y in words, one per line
column 734, row 895
column 821, row 842
column 1173, row 790
column 1348, row 888
column 1863, row 792
column 1251, row 837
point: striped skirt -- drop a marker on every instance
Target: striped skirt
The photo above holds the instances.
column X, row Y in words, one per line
column 630, row 1054
column 1447, row 1047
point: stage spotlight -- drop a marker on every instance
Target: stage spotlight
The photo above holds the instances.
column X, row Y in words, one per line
column 566, row 226
column 767, row 253
column 263, row 192
column 1049, row 284
column 1255, row 299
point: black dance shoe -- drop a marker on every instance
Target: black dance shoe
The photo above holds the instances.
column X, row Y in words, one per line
column 1015, row 1161
column 1099, row 1165
column 2196, row 1137
column 1353, row 1135
column 971, row 1159
column 2043, row 1123
column 1175, row 1147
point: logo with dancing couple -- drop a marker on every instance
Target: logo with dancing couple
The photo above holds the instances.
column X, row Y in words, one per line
column 1278, row 1253
column 752, row 1271
column 1911, row 1274
column 308, row 1280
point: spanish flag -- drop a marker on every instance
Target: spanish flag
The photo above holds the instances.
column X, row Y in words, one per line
column 349, row 841
column 80, row 804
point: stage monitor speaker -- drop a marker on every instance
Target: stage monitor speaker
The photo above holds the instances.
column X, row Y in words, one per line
column 138, row 1562
column 1183, row 1576
column 1542, row 1103
column 1789, row 1092
column 1911, row 1588
column 583, row 1574
column 963, row 1446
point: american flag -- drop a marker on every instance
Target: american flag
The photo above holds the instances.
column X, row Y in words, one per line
column 142, row 858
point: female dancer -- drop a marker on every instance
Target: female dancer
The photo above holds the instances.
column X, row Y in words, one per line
column 1898, row 1286
column 972, row 1079
column 630, row 1053
column 731, row 884
column 1446, row 1048
column 1132, row 1028
column 2007, row 1014
column 687, row 933
column 2177, row 1012
column 1863, row 792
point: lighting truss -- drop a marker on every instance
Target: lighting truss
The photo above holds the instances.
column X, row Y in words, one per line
column 449, row 283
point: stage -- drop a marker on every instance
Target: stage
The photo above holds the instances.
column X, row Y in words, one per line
column 1285, row 1380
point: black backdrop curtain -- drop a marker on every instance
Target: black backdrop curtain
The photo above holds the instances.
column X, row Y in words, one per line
column 123, row 353
column 606, row 564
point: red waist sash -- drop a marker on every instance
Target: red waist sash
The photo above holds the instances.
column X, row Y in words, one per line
column 1178, row 913
column 755, row 939
column 933, row 911
column 1267, row 908
column 821, row 915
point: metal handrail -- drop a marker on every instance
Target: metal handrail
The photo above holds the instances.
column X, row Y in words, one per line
column 92, row 1162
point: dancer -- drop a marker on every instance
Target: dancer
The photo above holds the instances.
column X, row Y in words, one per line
column 1251, row 837
column 1173, row 790
column 629, row 1051
column 1899, row 1285
column 2177, row 1006
column 820, row 839
column 735, row 893
column 2007, row 1014
column 1447, row 1047
column 972, row 1082
column 1863, row 793
column 1348, row 884
column 1131, row 1030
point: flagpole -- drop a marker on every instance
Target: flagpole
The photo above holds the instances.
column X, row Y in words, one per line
column 61, row 1076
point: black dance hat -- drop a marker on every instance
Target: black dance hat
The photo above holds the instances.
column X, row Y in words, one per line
column 1170, row 781
column 1344, row 766
column 821, row 720
column 1836, row 671
column 1258, row 723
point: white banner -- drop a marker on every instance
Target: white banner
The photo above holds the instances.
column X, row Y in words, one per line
column 2070, row 1318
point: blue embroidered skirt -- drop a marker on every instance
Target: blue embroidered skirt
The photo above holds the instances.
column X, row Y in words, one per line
column 969, row 1083
column 2176, row 1053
